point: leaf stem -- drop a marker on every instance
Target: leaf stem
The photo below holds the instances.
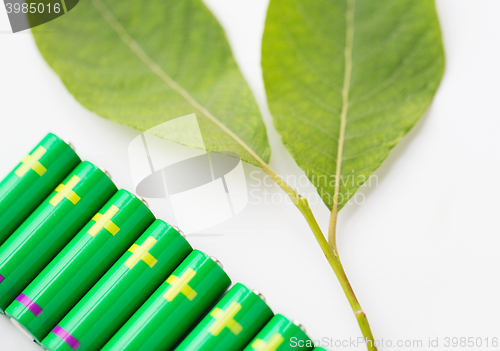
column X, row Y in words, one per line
column 334, row 261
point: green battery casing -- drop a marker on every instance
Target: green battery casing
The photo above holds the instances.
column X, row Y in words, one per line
column 50, row 227
column 23, row 189
column 231, row 324
column 319, row 349
column 80, row 264
column 280, row 334
column 121, row 291
column 174, row 308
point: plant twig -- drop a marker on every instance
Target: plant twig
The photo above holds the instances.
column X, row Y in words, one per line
column 299, row 201
column 334, row 261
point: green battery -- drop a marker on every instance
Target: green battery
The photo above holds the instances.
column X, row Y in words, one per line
column 231, row 324
column 280, row 334
column 319, row 349
column 50, row 227
column 174, row 308
column 121, row 291
column 80, row 264
column 39, row 172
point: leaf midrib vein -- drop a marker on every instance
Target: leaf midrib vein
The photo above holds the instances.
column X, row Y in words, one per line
column 120, row 30
column 343, row 116
column 345, row 91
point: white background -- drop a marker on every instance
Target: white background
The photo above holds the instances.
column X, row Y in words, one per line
column 421, row 252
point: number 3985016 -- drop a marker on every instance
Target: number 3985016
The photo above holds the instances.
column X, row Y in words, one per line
column 33, row 8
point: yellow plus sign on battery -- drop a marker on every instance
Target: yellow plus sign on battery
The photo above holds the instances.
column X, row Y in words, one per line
column 66, row 191
column 104, row 221
column 180, row 285
column 141, row 253
column 32, row 162
column 272, row 345
column 225, row 319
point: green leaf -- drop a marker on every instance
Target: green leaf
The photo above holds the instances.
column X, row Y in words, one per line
column 142, row 63
column 346, row 80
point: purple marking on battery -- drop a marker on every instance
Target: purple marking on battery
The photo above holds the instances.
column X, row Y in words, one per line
column 1, row 278
column 66, row 337
column 29, row 304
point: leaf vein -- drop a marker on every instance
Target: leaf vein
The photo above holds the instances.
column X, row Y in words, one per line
column 120, row 30
column 397, row 70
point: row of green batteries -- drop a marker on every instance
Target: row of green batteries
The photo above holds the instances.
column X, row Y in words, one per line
column 84, row 266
